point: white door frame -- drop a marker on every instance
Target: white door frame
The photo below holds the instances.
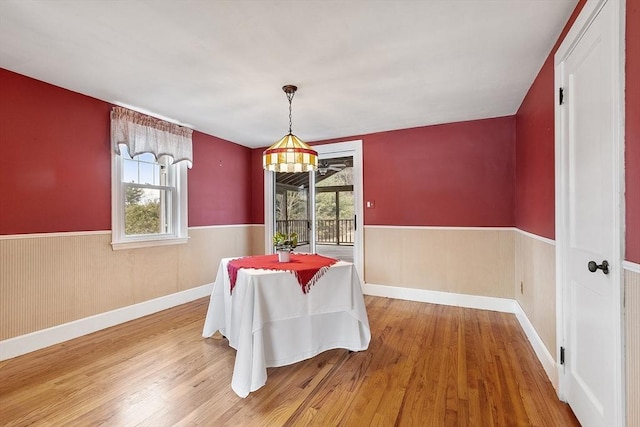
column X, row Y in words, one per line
column 339, row 149
column 586, row 16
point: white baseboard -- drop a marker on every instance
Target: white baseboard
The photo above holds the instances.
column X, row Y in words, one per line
column 545, row 358
column 27, row 343
column 504, row 305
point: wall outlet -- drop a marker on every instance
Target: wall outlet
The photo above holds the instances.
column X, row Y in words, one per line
column 371, row 204
column 521, row 287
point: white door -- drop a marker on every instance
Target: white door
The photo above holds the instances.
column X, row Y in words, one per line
column 351, row 149
column 591, row 380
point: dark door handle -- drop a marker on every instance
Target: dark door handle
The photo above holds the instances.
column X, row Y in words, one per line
column 593, row 267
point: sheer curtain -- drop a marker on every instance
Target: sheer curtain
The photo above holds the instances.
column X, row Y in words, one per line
column 146, row 134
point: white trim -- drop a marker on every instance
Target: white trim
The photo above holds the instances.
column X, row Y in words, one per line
column 100, row 232
column 269, row 217
column 212, row 227
column 57, row 234
column 536, row 237
column 23, row 344
column 311, row 215
column 579, row 26
column 432, row 227
column 631, row 266
column 148, row 243
column 182, row 211
column 503, row 305
column 588, row 13
column 437, row 227
column 545, row 358
column 559, row 221
column 339, row 148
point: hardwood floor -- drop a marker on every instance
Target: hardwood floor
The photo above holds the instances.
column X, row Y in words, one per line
column 426, row 365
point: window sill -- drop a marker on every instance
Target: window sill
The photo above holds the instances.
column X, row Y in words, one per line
column 148, row 243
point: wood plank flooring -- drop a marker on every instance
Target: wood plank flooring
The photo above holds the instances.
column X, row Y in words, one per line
column 427, row 365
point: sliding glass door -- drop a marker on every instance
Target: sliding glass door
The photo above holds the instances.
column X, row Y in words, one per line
column 293, row 203
column 334, row 207
column 323, row 207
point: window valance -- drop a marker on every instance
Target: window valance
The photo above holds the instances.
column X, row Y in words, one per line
column 146, row 134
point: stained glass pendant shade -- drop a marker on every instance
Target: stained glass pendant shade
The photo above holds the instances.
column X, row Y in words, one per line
column 290, row 154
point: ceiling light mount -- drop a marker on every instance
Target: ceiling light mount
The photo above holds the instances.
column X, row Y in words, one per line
column 290, row 154
column 289, row 89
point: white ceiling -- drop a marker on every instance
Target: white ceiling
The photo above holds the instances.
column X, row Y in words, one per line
column 218, row 66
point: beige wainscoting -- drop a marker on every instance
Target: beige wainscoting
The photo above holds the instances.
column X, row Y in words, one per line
column 257, row 239
column 49, row 280
column 632, row 327
column 470, row 261
column 535, row 285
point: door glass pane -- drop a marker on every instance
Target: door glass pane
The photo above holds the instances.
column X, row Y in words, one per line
column 346, row 218
column 281, row 213
column 326, row 218
column 334, row 208
column 292, row 207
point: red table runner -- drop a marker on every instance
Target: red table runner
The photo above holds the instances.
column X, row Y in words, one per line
column 307, row 268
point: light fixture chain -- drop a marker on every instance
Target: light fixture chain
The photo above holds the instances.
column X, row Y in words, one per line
column 290, row 98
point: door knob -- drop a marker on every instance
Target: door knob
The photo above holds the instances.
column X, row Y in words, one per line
column 593, row 267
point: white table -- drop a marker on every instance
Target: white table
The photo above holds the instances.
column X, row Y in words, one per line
column 271, row 322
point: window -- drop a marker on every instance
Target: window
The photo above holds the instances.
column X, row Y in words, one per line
column 149, row 194
column 149, row 201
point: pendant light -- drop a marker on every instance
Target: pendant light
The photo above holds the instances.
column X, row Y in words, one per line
column 290, row 154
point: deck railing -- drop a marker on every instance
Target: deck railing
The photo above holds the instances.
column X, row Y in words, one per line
column 337, row 232
column 328, row 231
column 294, row 226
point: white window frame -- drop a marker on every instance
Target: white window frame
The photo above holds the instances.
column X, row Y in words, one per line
column 178, row 226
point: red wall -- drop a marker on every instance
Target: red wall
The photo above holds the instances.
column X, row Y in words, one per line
column 219, row 185
column 257, row 187
column 55, row 171
column 632, row 132
column 458, row 174
column 535, row 168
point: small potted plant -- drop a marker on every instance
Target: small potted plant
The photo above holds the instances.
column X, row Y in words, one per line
column 283, row 244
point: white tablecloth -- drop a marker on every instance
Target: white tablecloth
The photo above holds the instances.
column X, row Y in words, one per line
column 271, row 322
